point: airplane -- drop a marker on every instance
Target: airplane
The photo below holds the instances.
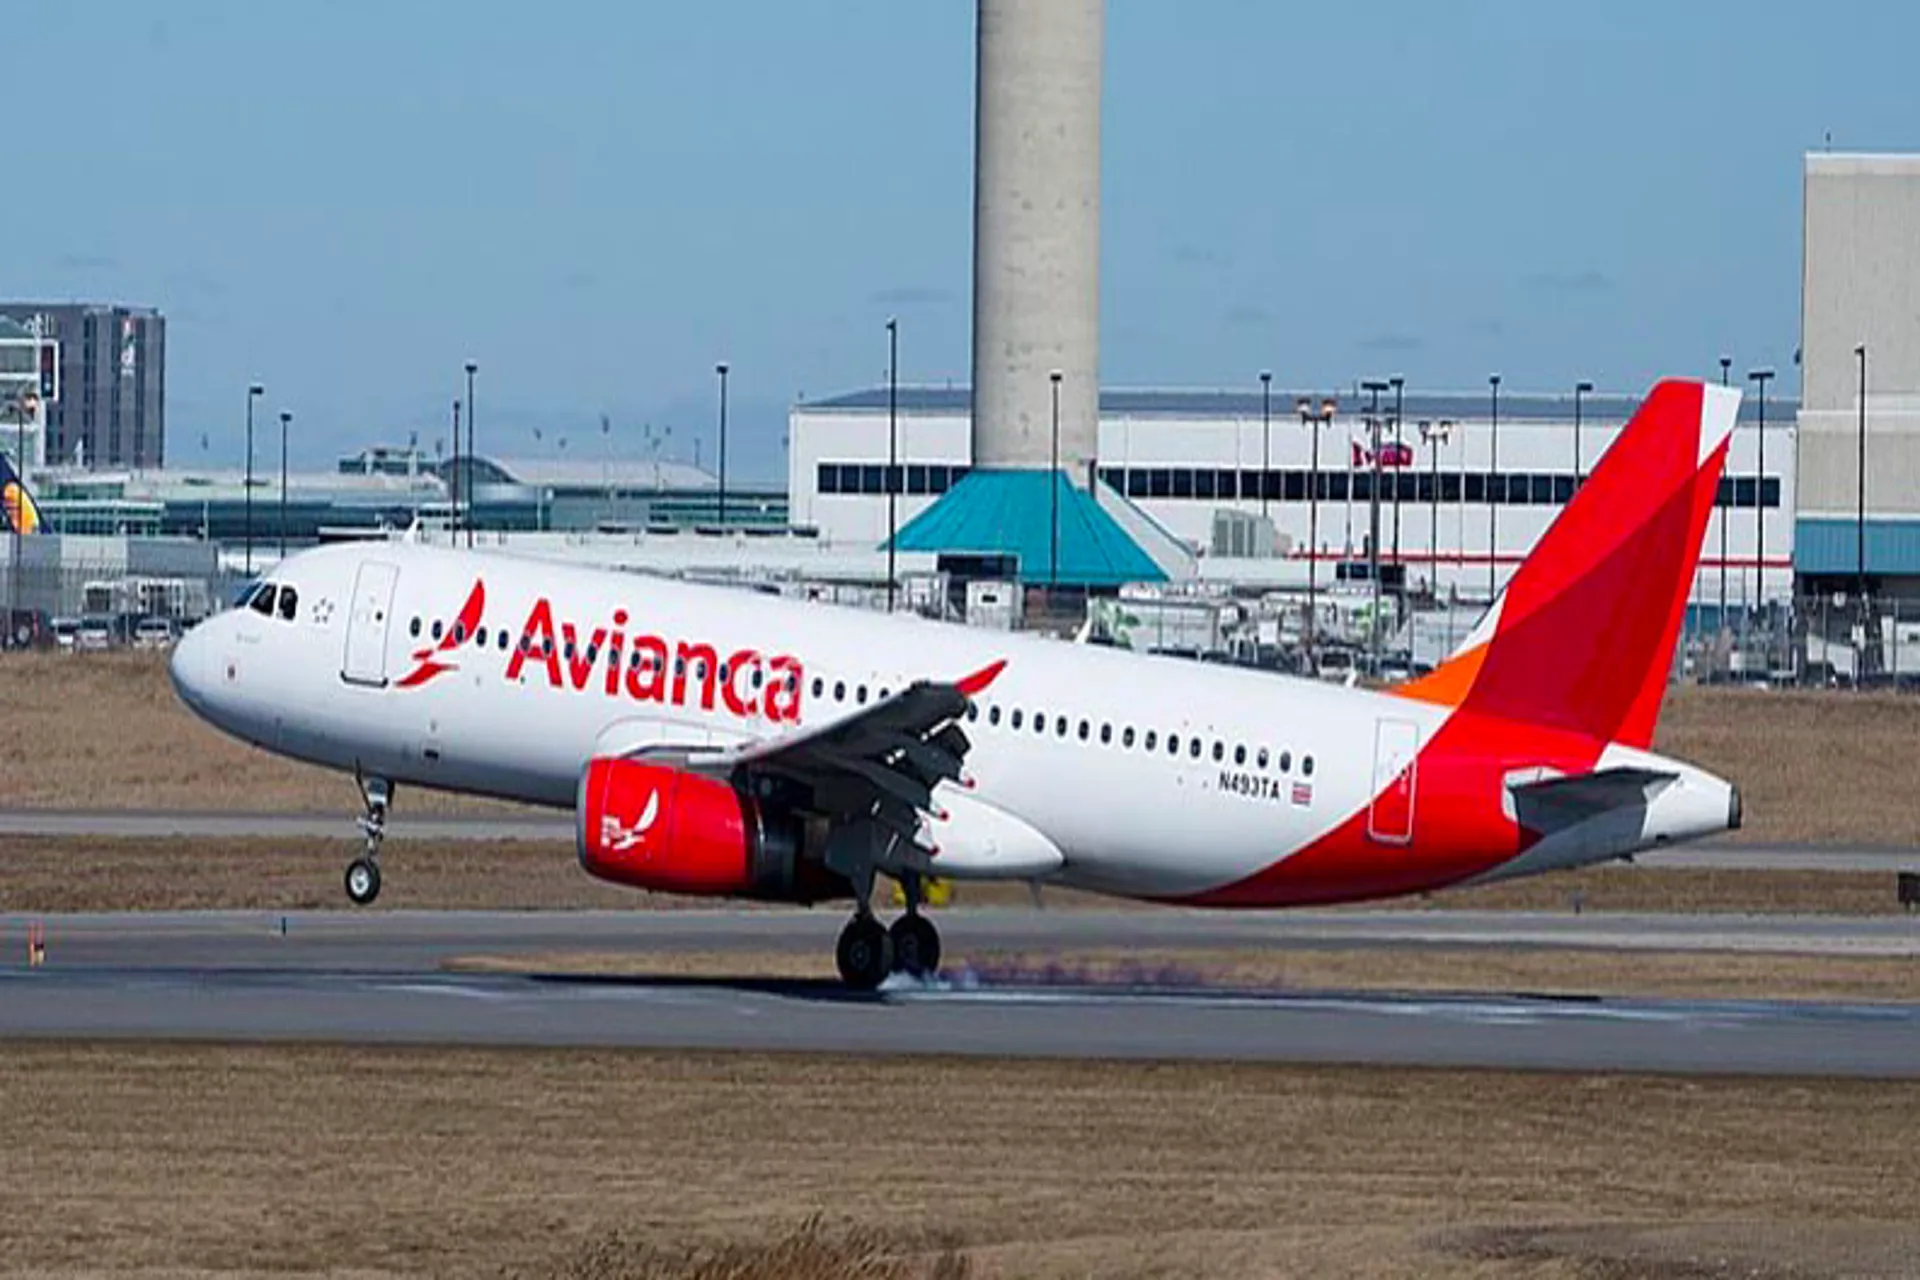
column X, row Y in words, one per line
column 16, row 504
column 715, row 741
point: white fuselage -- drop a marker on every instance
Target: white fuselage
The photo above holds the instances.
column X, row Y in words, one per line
column 1152, row 776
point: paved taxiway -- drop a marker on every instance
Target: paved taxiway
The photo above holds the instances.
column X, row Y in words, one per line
column 378, row 976
column 156, row 824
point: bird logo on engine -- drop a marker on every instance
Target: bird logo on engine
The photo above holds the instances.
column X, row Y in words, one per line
column 618, row 837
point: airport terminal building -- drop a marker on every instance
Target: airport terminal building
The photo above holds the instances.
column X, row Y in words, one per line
column 1254, row 490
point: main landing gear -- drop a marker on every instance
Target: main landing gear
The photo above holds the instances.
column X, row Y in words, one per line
column 868, row 950
column 363, row 873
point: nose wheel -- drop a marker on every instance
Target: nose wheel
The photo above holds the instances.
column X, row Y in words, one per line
column 363, row 873
column 363, row 881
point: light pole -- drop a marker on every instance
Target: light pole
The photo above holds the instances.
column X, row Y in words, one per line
column 285, row 419
column 254, row 392
column 721, row 370
column 1860, row 512
column 893, row 448
column 472, row 413
column 1581, row 388
column 1314, row 419
column 1399, row 385
column 453, row 483
column 1760, row 377
column 1053, row 489
column 1266, row 434
column 1433, row 435
column 1373, row 388
column 1496, row 488
column 1726, row 365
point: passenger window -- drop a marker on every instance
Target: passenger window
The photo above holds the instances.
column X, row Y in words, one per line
column 1193, row 748
column 1286, row 762
column 503, row 639
column 839, row 690
column 1060, row 725
column 262, row 603
column 973, row 711
column 1306, row 765
column 1106, row 734
column 1150, row 739
column 993, row 715
column 1219, row 751
column 819, row 686
column 1261, row 760
column 1126, row 737
column 480, row 636
column 413, row 628
column 1015, row 722
column 1239, row 755
column 289, row 603
column 860, row 695
column 1173, row 744
column 1083, row 731
column 436, row 631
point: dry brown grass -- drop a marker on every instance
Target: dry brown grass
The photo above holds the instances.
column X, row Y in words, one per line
column 1535, row 971
column 1812, row 765
column 73, row 874
column 106, row 731
column 133, row 1159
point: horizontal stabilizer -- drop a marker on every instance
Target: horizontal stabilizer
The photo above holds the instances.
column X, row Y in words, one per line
column 1572, row 799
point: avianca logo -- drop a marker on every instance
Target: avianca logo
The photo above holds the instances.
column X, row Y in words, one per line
column 432, row 661
column 618, row 837
column 646, row 668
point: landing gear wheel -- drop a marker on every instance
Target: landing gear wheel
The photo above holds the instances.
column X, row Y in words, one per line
column 363, row 881
column 865, row 953
column 916, row 945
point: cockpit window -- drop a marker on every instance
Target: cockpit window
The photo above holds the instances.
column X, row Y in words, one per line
column 289, row 603
column 262, row 602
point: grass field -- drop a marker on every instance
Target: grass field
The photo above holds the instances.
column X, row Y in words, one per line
column 72, row 874
column 104, row 730
column 197, row 1161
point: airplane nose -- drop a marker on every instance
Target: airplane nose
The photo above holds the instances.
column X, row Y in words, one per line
column 187, row 668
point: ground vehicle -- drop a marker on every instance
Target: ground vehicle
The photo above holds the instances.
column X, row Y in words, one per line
column 65, row 632
column 95, row 634
column 153, row 633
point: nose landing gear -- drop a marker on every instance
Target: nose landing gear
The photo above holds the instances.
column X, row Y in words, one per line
column 363, row 873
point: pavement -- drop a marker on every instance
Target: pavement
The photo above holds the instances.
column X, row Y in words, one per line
column 378, row 976
column 174, row 824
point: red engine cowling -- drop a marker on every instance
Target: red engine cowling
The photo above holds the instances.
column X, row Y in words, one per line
column 656, row 827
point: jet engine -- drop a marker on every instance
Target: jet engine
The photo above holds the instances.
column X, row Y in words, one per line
column 657, row 827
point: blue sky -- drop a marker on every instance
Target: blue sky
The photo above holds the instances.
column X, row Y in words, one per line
column 597, row 201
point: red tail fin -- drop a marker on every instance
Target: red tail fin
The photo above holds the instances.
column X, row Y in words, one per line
column 1582, row 638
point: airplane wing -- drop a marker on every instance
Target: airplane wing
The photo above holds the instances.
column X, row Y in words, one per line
column 879, row 764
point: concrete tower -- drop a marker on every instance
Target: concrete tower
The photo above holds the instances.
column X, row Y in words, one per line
column 1036, row 232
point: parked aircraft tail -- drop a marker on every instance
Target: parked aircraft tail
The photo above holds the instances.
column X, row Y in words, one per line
column 22, row 514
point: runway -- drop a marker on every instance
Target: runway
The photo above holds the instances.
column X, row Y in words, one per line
column 188, row 824
column 378, row 977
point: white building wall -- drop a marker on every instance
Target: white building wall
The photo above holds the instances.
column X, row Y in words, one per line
column 1862, row 285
